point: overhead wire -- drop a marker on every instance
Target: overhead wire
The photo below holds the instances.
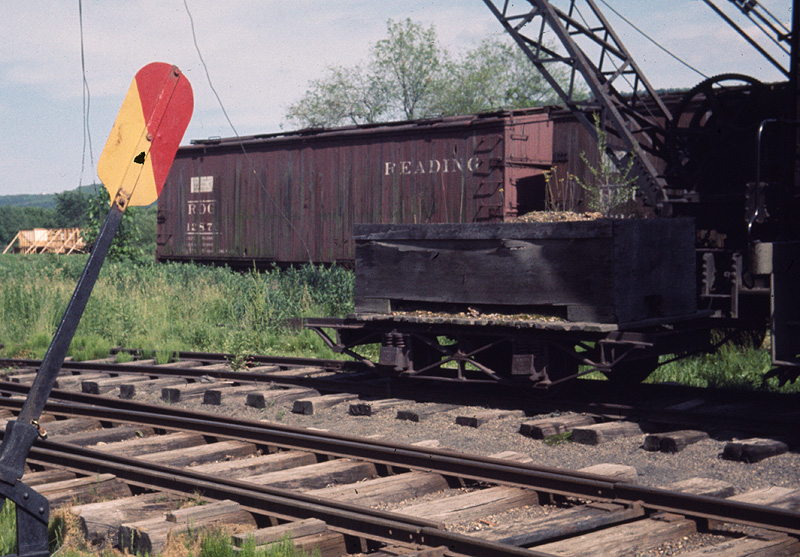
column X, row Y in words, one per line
column 239, row 138
column 86, row 100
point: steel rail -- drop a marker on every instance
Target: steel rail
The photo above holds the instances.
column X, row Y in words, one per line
column 469, row 394
column 450, row 463
column 331, row 365
column 334, row 383
column 347, row 518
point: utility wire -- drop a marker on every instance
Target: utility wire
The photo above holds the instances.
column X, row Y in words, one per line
column 208, row 75
column 87, row 134
column 239, row 139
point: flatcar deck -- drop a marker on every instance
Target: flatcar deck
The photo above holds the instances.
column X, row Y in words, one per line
column 516, row 321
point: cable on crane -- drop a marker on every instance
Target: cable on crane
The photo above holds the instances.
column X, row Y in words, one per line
column 87, row 134
column 652, row 40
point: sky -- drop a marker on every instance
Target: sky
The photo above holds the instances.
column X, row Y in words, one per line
column 261, row 55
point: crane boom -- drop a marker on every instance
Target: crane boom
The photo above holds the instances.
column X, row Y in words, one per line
column 630, row 107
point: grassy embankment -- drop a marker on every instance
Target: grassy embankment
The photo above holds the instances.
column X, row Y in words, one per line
column 162, row 309
column 167, row 308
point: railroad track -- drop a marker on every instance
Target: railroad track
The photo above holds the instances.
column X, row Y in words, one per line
column 658, row 407
column 590, row 501
column 580, row 503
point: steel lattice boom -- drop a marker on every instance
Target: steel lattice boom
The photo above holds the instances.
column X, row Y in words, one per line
column 630, row 107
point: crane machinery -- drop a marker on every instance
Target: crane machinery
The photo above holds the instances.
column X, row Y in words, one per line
column 725, row 154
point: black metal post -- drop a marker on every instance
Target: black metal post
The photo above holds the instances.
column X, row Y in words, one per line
column 32, row 508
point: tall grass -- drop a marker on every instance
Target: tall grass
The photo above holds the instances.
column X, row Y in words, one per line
column 730, row 367
column 8, row 528
column 165, row 308
column 162, row 309
column 218, row 544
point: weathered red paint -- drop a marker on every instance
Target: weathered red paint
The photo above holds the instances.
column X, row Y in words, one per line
column 295, row 197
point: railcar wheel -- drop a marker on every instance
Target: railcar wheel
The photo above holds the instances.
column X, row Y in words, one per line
column 633, row 372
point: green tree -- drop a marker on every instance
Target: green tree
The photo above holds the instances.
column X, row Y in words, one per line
column 344, row 96
column 407, row 64
column 496, row 74
column 72, row 208
column 14, row 219
column 133, row 239
column 399, row 81
column 409, row 75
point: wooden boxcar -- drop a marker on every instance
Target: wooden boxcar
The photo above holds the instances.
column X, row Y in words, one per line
column 294, row 197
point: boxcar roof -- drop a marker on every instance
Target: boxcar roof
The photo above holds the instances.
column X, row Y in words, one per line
column 433, row 124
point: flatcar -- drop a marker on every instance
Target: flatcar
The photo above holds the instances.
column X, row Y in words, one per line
column 523, row 302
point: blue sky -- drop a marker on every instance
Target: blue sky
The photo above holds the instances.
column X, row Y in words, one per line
column 261, row 55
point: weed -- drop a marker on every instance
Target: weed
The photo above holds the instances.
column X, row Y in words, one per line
column 730, row 367
column 610, row 190
column 561, row 192
column 89, row 347
column 123, row 357
column 237, row 346
column 558, row 438
column 8, row 528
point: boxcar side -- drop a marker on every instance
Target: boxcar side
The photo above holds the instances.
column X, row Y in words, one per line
column 293, row 198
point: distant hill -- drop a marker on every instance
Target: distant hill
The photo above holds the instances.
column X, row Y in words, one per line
column 43, row 200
